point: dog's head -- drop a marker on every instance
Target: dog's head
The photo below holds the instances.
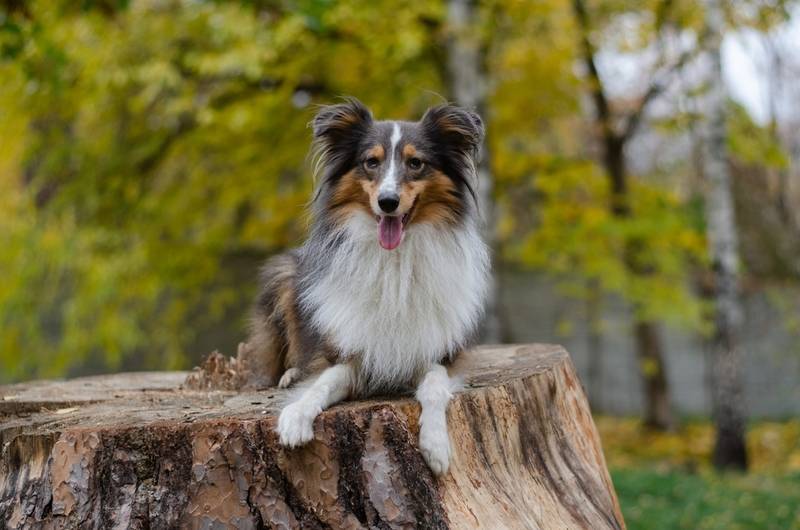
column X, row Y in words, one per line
column 400, row 173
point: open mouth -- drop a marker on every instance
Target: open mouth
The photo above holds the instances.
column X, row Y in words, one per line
column 391, row 229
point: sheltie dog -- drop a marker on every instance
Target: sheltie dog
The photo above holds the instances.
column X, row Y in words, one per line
column 391, row 283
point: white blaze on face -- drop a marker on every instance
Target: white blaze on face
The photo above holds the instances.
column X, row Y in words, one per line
column 389, row 183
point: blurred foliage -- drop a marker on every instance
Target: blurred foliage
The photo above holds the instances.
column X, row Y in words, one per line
column 149, row 145
column 774, row 447
column 666, row 481
column 753, row 144
column 577, row 238
column 145, row 146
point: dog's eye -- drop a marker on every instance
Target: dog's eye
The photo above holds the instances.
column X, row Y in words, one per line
column 414, row 163
column 371, row 162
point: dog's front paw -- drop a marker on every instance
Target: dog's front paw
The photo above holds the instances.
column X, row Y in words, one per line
column 296, row 425
column 435, row 446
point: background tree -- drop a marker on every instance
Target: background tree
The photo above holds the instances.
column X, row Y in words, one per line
column 468, row 84
column 615, row 130
column 156, row 159
column 155, row 152
column 729, row 450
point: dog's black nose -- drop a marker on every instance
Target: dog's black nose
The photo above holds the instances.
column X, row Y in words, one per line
column 388, row 202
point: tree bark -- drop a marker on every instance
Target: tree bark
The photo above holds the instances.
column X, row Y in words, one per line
column 468, row 84
column 647, row 336
column 135, row 451
column 775, row 87
column 727, row 399
column 658, row 411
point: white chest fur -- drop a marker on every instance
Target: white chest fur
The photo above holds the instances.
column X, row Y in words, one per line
column 400, row 310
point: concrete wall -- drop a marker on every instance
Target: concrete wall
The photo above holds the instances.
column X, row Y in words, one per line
column 536, row 312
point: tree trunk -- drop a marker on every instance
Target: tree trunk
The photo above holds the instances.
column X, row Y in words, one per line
column 775, row 87
column 594, row 344
column 468, row 84
column 647, row 337
column 136, row 451
column 728, row 406
column 658, row 413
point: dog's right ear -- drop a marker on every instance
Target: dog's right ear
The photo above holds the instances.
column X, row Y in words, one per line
column 340, row 127
column 456, row 128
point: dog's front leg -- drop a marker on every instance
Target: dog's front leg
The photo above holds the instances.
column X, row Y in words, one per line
column 434, row 393
column 296, row 422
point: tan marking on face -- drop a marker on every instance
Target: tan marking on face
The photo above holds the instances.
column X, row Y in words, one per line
column 377, row 151
column 349, row 195
column 409, row 151
column 409, row 191
column 370, row 187
column 432, row 199
column 436, row 200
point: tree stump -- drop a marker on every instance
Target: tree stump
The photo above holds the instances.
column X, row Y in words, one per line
column 138, row 451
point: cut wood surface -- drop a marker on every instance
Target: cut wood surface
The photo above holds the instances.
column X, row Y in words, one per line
column 138, row 451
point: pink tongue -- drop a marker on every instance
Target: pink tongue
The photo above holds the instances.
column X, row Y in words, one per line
column 390, row 232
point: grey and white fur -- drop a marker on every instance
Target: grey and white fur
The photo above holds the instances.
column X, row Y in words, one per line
column 391, row 283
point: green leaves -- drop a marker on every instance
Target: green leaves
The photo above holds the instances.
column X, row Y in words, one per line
column 752, row 144
column 151, row 144
column 577, row 238
column 148, row 146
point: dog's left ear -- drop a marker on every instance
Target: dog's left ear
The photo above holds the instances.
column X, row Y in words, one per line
column 455, row 127
column 338, row 131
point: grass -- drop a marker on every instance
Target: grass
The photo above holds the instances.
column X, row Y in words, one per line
column 654, row 499
column 665, row 481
